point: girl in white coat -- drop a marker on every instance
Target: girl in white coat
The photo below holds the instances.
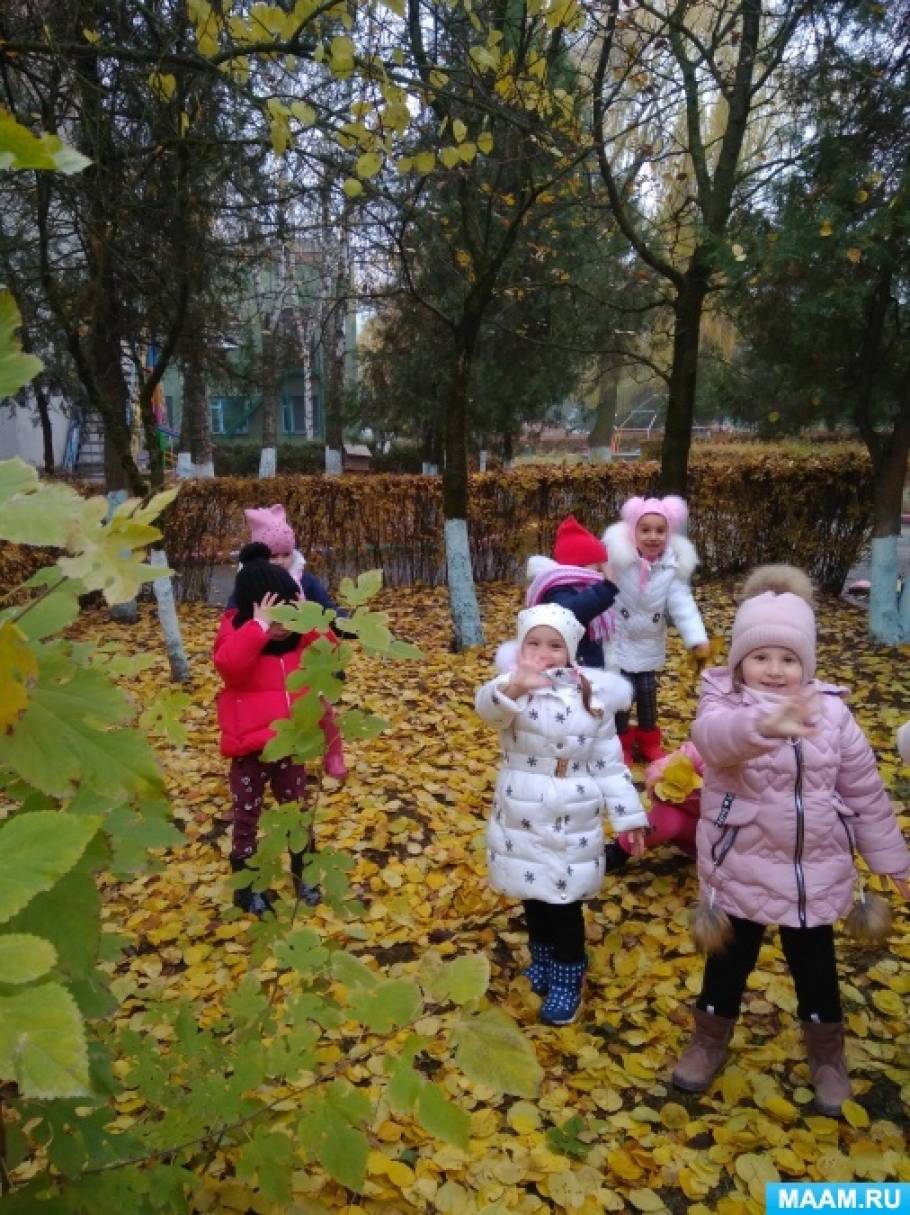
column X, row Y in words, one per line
column 651, row 563
column 561, row 768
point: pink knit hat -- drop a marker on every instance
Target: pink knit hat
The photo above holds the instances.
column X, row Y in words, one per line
column 671, row 508
column 269, row 525
column 769, row 619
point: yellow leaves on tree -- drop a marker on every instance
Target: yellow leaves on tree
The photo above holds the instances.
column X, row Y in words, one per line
column 18, row 665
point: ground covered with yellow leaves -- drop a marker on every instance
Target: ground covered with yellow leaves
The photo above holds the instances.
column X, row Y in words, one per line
column 412, row 814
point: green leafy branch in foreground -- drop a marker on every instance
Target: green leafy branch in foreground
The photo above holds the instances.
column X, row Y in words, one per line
column 295, row 1067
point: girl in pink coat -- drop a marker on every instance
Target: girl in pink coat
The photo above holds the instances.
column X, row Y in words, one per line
column 791, row 793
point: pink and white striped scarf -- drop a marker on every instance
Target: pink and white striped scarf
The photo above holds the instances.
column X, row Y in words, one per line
column 601, row 628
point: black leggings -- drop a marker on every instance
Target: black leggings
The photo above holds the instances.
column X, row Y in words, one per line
column 644, row 697
column 561, row 925
column 810, row 957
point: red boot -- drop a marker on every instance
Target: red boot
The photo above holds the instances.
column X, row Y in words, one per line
column 627, row 738
column 648, row 743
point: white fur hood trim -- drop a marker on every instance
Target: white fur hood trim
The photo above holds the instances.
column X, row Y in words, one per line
column 539, row 565
column 622, row 553
column 506, row 659
column 612, row 690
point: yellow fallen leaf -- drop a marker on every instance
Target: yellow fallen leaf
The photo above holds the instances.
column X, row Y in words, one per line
column 674, row 1116
column 646, row 1200
column 622, row 1164
column 780, row 1108
column 523, row 1117
column 855, row 1114
column 756, row 1171
column 888, row 1002
column 399, row 1173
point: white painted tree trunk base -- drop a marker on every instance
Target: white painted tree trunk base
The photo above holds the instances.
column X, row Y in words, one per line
column 429, row 470
column 334, row 462
column 482, row 461
column 463, row 605
column 125, row 613
column 889, row 610
column 128, row 612
column 268, row 462
column 206, row 470
column 170, row 623
column 184, row 469
column 601, row 455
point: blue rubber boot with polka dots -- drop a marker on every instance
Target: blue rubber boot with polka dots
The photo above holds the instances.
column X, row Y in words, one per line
column 564, row 997
column 539, row 971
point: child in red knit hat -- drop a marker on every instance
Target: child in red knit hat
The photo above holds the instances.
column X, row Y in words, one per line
column 576, row 579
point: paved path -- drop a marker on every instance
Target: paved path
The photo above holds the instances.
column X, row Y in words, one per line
column 861, row 571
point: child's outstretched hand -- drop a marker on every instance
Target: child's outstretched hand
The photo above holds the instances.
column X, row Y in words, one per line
column 525, row 679
column 795, row 717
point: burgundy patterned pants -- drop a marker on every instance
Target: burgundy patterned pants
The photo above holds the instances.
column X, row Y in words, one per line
column 248, row 779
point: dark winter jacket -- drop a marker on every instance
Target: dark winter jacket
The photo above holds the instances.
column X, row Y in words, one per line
column 585, row 602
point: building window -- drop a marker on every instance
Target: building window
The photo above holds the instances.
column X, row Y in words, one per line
column 295, row 415
column 230, row 416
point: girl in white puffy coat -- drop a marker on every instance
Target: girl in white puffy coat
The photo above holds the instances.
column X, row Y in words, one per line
column 562, row 767
column 651, row 563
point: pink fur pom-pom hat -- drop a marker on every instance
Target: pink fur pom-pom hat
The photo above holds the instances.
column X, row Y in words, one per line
column 671, row 508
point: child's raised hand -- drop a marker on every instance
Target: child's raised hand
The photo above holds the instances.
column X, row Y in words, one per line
column 525, row 679
column 795, row 717
column 263, row 607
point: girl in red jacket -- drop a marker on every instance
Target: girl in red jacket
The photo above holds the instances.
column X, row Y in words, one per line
column 254, row 658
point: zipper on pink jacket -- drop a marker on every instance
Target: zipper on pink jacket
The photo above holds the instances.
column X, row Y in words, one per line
column 800, row 834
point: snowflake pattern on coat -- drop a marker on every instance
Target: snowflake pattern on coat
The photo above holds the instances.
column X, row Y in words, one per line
column 546, row 831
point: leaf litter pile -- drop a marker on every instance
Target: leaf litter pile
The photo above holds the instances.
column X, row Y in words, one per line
column 607, row 1132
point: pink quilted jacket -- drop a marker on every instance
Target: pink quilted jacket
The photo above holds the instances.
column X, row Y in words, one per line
column 780, row 820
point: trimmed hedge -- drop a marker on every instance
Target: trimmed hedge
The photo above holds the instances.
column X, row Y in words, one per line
column 242, row 459
column 814, row 510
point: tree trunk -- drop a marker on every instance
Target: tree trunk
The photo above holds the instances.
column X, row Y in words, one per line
column 889, row 610
column 463, row 605
column 195, row 456
column 271, row 397
column 47, row 431
column 687, row 314
column 152, row 438
column 170, row 622
column 431, row 446
column 336, row 292
column 601, row 436
column 334, row 391
column 111, row 403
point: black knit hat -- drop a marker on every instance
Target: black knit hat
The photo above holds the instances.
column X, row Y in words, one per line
column 259, row 578
column 254, row 551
